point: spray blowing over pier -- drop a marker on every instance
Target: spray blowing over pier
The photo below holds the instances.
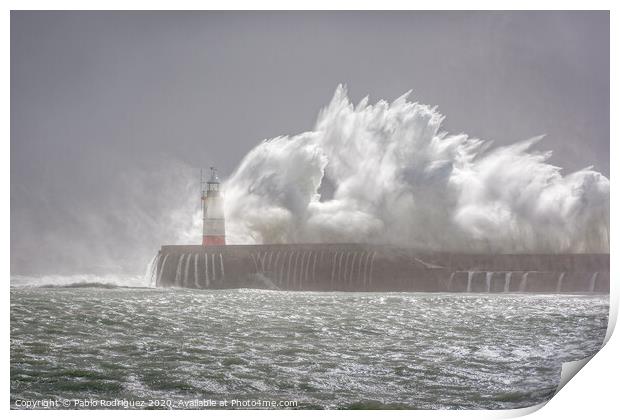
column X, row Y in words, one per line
column 378, row 197
column 363, row 267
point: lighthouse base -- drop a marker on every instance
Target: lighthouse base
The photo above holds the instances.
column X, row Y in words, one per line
column 210, row 240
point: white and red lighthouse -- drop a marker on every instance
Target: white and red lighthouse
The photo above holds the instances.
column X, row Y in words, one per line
column 213, row 225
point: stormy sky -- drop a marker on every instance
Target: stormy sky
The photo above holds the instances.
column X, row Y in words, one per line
column 113, row 113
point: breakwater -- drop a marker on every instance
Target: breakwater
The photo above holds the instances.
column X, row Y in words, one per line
column 375, row 268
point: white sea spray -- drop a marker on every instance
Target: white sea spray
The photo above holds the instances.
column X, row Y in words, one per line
column 387, row 173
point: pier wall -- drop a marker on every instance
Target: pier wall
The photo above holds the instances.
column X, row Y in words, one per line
column 358, row 267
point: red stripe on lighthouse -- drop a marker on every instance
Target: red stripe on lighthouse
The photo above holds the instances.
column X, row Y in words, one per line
column 213, row 240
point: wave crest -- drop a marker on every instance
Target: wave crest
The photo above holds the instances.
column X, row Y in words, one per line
column 385, row 173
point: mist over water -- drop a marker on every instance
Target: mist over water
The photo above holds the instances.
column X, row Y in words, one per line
column 109, row 235
column 387, row 173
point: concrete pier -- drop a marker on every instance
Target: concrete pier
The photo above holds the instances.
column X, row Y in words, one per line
column 360, row 267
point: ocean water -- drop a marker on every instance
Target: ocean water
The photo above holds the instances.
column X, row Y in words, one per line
column 320, row 350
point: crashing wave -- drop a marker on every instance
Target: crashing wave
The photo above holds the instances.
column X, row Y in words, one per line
column 386, row 173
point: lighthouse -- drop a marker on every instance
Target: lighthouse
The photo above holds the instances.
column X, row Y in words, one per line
column 213, row 226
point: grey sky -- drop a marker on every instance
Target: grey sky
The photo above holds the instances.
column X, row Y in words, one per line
column 104, row 104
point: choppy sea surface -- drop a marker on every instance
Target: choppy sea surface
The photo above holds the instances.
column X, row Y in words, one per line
column 321, row 350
